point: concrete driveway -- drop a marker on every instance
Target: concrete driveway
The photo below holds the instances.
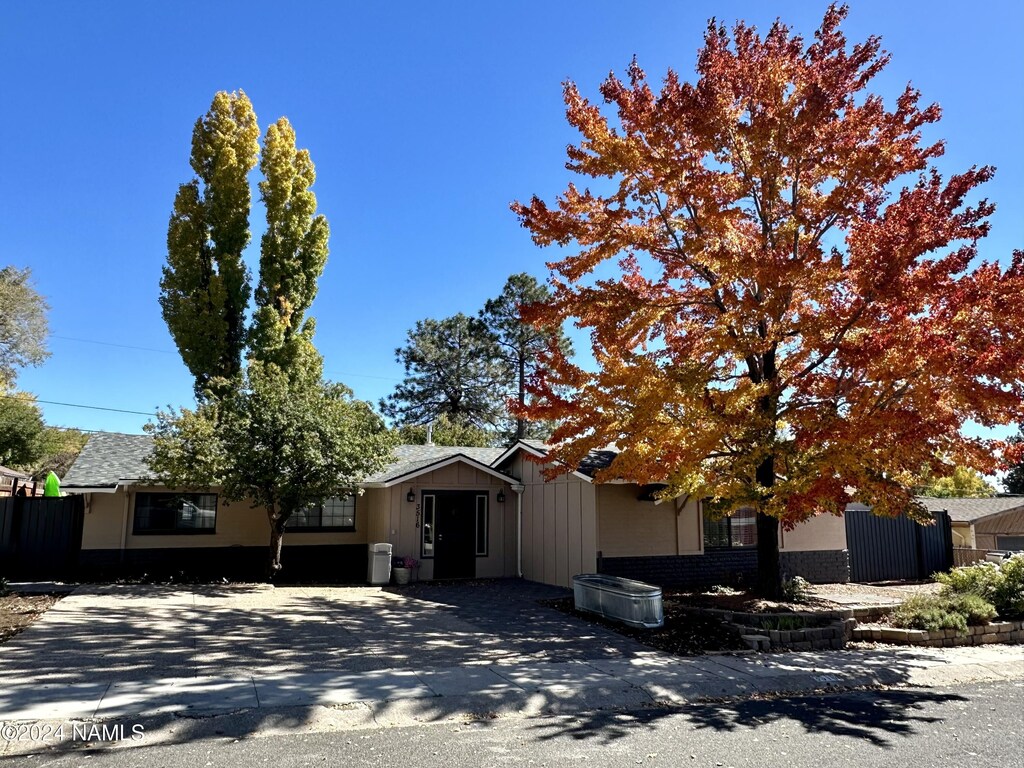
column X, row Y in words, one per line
column 305, row 657
column 115, row 633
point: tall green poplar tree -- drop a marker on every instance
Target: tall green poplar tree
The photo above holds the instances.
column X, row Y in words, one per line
column 293, row 251
column 205, row 286
column 276, row 433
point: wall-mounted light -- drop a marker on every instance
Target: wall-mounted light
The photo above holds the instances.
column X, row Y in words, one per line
column 501, row 496
column 410, row 496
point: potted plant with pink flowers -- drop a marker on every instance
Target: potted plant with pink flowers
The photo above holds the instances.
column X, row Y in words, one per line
column 403, row 569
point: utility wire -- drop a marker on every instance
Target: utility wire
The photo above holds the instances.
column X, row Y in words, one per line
column 171, row 352
column 77, row 405
column 112, row 344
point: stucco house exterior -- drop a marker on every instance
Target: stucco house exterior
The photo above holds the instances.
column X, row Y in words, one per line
column 462, row 512
column 989, row 524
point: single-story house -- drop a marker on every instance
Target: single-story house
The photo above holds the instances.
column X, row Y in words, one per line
column 462, row 512
column 990, row 524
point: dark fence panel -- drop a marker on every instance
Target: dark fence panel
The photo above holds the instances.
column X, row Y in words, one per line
column 40, row 538
column 897, row 548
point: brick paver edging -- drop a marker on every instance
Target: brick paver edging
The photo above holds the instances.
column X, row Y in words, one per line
column 995, row 632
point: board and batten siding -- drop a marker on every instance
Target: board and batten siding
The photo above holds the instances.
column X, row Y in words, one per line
column 396, row 520
column 1009, row 523
column 560, row 526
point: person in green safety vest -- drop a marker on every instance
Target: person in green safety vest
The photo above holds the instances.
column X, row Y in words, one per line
column 51, row 486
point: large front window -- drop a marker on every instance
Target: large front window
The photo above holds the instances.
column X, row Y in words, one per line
column 337, row 514
column 175, row 513
column 738, row 530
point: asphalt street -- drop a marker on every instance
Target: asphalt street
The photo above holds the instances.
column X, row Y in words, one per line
column 970, row 725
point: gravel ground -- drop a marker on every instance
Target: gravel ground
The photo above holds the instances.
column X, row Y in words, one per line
column 872, row 594
column 18, row 611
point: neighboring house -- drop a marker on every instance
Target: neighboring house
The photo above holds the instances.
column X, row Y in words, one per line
column 991, row 524
column 458, row 510
column 10, row 479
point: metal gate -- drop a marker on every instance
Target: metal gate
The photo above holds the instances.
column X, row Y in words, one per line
column 40, row 538
column 897, row 548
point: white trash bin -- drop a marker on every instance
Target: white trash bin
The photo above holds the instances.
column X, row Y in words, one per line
column 379, row 565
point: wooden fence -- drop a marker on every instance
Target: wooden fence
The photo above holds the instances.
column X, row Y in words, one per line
column 967, row 556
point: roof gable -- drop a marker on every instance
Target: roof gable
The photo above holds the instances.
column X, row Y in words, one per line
column 971, row 510
column 109, row 458
column 538, row 449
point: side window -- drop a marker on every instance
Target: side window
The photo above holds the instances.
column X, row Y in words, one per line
column 481, row 525
column 428, row 525
column 736, row 530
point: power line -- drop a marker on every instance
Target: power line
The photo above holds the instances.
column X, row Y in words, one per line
column 91, row 431
column 171, row 352
column 112, row 344
column 77, row 405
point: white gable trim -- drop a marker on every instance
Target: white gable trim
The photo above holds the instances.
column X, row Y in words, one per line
column 521, row 446
column 443, row 462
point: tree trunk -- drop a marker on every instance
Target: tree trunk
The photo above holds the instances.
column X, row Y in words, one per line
column 769, row 580
column 520, row 421
column 276, row 541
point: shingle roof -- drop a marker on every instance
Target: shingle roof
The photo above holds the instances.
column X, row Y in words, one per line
column 971, row 510
column 6, row 472
column 108, row 458
column 410, row 458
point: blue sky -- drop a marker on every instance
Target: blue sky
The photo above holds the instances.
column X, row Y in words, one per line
column 424, row 122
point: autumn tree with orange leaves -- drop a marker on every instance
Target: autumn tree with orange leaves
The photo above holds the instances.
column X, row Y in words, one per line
column 793, row 323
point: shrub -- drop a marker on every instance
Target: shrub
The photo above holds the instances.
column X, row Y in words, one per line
column 796, row 590
column 1002, row 585
column 934, row 612
column 928, row 613
column 1009, row 593
column 976, row 579
column 783, row 623
column 974, row 608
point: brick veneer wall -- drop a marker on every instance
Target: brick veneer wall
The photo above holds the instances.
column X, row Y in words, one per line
column 827, row 566
column 727, row 567
column 331, row 563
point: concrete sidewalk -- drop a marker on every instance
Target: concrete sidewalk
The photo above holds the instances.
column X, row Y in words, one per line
column 528, row 689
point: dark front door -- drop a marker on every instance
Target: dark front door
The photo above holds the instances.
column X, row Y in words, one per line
column 455, row 538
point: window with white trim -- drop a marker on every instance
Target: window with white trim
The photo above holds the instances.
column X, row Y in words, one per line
column 429, row 506
column 481, row 525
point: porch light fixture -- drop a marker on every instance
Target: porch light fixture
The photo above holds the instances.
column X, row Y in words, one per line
column 501, row 496
column 410, row 496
